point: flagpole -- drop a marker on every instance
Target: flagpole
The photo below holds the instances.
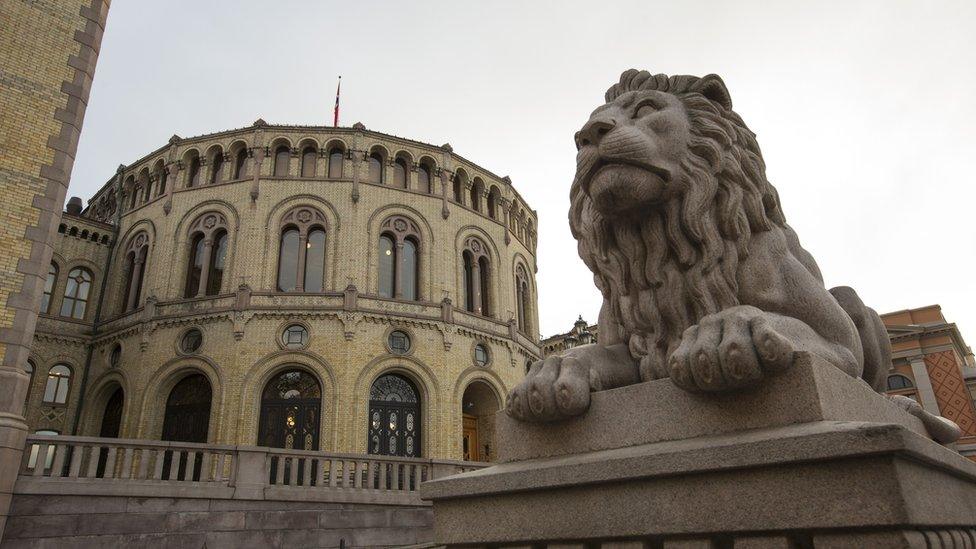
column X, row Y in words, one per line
column 335, row 115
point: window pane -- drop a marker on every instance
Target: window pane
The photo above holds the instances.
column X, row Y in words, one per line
column 194, row 267
column 423, row 179
column 408, row 278
column 62, row 395
column 49, row 389
column 240, row 165
column 308, row 163
column 386, row 266
column 468, row 290
column 288, row 261
column 315, row 261
column 217, row 258
column 485, row 273
column 52, row 277
column 281, row 161
column 335, row 164
column 375, row 169
column 216, row 168
column 400, row 174
column 194, row 172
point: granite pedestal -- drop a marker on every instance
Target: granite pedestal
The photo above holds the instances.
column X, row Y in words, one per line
column 811, row 458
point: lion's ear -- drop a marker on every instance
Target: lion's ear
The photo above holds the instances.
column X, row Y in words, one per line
column 712, row 87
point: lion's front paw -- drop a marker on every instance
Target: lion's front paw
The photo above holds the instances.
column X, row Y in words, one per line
column 555, row 388
column 728, row 350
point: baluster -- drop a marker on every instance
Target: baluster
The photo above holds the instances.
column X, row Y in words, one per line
column 41, row 460
column 357, row 471
column 383, row 469
column 159, row 456
column 280, row 476
column 218, row 466
column 174, row 465
column 77, row 453
column 59, row 456
column 205, row 466
column 127, row 463
column 333, row 472
column 307, row 472
column 315, row 472
column 93, row 457
column 293, row 471
column 395, row 482
column 110, row 463
column 143, row 468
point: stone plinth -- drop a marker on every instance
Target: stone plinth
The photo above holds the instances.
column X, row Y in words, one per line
column 812, row 458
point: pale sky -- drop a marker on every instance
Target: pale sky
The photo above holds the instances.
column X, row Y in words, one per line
column 864, row 110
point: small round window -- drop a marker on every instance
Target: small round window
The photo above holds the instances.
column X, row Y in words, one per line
column 481, row 355
column 295, row 336
column 191, row 342
column 115, row 358
column 399, row 342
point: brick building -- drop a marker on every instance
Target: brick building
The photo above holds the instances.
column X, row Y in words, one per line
column 931, row 363
column 330, row 289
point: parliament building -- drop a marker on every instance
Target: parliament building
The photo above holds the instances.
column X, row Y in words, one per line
column 310, row 288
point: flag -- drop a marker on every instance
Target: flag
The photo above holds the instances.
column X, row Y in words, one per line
column 335, row 116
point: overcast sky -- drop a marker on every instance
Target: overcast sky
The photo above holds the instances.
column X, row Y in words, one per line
column 865, row 111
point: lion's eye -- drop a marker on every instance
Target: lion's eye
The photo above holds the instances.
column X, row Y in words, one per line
column 645, row 109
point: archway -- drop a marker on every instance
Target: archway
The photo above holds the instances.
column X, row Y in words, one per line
column 111, row 424
column 187, row 417
column 290, row 411
column 478, row 408
column 394, row 417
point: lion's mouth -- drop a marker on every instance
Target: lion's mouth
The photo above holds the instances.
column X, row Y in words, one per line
column 600, row 165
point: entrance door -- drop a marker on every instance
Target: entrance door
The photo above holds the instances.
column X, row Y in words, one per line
column 188, row 410
column 394, row 417
column 290, row 406
column 469, row 438
column 112, row 418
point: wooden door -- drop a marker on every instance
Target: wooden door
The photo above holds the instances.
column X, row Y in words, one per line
column 469, row 438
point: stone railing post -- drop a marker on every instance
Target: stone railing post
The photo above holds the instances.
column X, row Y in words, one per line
column 250, row 475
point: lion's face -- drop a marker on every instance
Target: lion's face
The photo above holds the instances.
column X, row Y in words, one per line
column 630, row 151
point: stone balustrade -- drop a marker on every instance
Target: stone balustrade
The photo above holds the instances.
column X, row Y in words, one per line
column 55, row 464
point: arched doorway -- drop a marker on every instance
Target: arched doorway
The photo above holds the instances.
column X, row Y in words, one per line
column 111, row 424
column 479, row 404
column 290, row 411
column 394, row 417
column 187, row 416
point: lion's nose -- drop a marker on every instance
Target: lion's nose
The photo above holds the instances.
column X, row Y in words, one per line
column 594, row 130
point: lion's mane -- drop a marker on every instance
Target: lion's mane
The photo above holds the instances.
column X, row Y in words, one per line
column 665, row 269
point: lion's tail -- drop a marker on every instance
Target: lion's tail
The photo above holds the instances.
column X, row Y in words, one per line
column 874, row 336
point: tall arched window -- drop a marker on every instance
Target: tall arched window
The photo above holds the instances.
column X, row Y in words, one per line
column 207, row 255
column 476, row 190
column 216, row 167
column 162, row 176
column 375, row 168
column 240, row 163
column 523, row 299
column 76, row 292
column 477, row 277
column 187, row 415
column 145, row 182
column 423, row 179
column 308, row 161
column 301, row 257
column 493, row 197
column 400, row 173
column 335, row 163
column 399, row 264
column 281, row 159
column 58, row 383
column 458, row 189
column 394, row 417
column 193, row 175
column 290, row 411
column 135, row 262
column 49, row 283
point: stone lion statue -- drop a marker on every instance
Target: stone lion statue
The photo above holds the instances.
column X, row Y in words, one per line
column 702, row 279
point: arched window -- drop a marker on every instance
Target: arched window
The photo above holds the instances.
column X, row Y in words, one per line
column 493, row 197
column 76, row 292
column 187, row 416
column 290, row 411
column 240, row 163
column 49, row 283
column 896, row 382
column 476, row 191
column 112, row 416
column 145, row 182
column 135, row 262
column 193, row 175
column 301, row 256
column 163, row 176
column 458, row 190
column 424, row 182
column 477, row 277
column 399, row 264
column 394, row 417
column 216, row 167
column 375, row 168
column 207, row 255
column 523, row 299
column 58, row 383
column 400, row 171
column 281, row 159
column 308, row 161
column 335, row 163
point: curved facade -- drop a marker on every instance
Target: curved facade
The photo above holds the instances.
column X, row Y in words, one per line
column 321, row 288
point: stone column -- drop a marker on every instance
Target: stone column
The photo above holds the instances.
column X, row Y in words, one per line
column 205, row 265
column 133, row 286
column 926, row 394
column 507, row 208
column 256, row 178
column 445, row 178
column 476, row 284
